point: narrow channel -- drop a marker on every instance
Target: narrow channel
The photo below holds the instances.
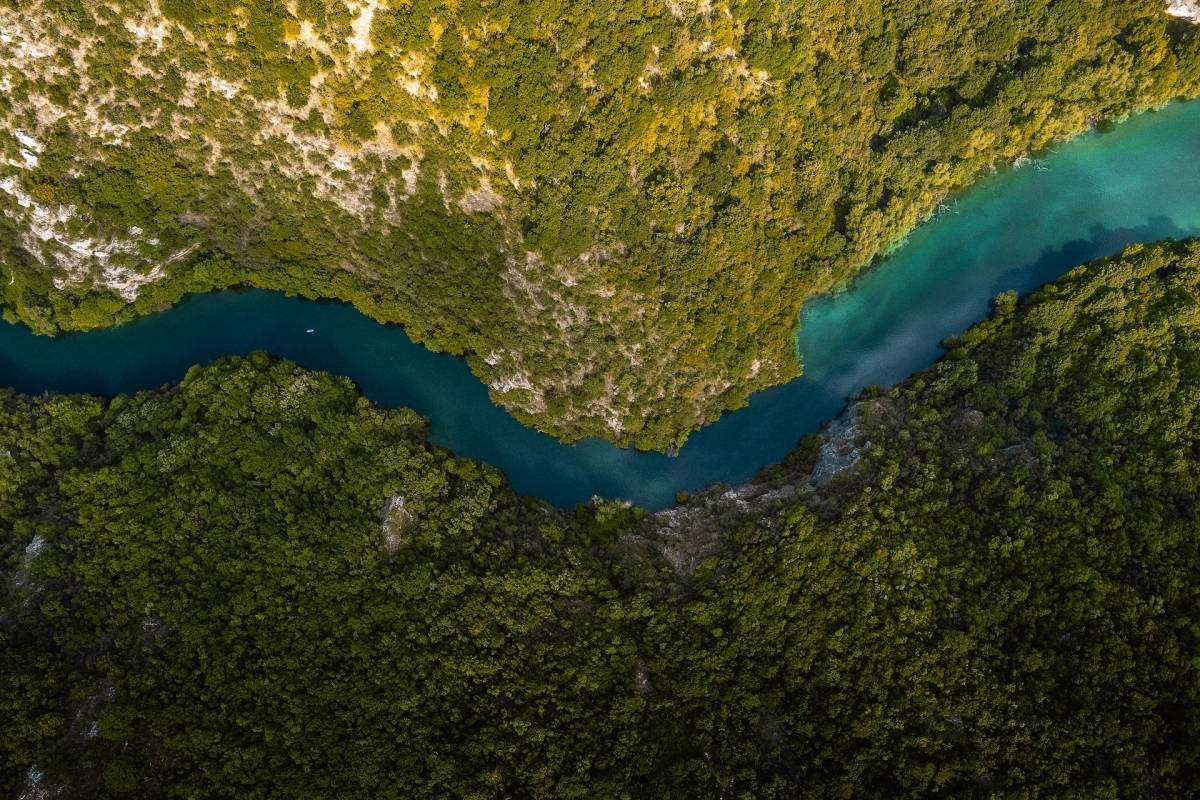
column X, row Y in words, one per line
column 1017, row 229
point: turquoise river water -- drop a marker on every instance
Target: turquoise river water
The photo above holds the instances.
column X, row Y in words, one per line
column 1017, row 229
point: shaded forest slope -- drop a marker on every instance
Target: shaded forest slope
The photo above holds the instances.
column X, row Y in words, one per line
column 983, row 582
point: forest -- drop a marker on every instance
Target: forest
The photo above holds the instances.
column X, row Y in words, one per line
column 983, row 582
column 615, row 211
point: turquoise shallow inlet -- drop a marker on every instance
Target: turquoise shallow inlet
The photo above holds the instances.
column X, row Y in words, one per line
column 1017, row 229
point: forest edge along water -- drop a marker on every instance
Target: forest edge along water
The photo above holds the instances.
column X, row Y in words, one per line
column 1015, row 230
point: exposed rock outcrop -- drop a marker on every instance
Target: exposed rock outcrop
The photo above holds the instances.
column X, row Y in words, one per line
column 396, row 521
column 1185, row 9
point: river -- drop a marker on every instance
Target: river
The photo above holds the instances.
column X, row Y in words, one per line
column 1017, row 229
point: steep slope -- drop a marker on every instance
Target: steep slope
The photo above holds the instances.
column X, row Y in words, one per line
column 616, row 211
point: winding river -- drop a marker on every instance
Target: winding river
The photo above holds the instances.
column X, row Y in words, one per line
column 1017, row 229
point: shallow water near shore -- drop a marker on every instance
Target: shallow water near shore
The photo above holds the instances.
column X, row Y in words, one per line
column 1017, row 229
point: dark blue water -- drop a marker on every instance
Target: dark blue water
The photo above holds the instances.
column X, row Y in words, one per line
column 1015, row 230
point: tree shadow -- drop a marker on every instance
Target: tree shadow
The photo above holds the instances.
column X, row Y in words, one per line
column 1101, row 242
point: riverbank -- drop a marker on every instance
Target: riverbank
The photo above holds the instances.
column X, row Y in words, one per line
column 1017, row 229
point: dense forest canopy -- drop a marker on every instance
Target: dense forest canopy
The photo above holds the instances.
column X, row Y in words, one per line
column 615, row 210
column 983, row 582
